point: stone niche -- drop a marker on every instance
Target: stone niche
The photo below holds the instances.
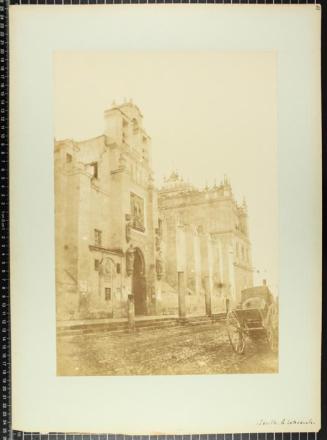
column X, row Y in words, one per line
column 137, row 212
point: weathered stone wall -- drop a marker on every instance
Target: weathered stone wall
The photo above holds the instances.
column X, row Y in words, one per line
column 93, row 193
column 201, row 233
column 218, row 252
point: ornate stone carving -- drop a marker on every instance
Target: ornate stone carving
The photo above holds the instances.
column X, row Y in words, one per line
column 130, row 260
column 151, row 181
column 158, row 240
column 128, row 227
column 137, row 210
column 107, row 267
column 159, row 266
column 122, row 162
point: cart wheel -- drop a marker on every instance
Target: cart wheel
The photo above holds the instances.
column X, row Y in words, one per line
column 272, row 328
column 235, row 333
column 272, row 337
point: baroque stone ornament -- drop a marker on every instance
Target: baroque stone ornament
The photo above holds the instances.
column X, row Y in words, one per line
column 107, row 266
column 137, row 212
column 158, row 240
column 159, row 266
column 128, row 227
column 130, row 260
column 150, row 181
column 122, row 162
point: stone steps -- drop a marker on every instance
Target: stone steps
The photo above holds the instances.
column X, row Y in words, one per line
column 86, row 328
column 201, row 320
column 114, row 326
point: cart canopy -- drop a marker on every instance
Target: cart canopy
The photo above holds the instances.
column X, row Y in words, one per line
column 261, row 292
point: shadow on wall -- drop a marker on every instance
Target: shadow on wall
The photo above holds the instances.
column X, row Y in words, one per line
column 195, row 304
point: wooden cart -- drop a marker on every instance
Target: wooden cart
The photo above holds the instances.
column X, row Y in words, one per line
column 255, row 317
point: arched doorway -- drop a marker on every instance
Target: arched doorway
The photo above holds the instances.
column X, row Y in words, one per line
column 138, row 283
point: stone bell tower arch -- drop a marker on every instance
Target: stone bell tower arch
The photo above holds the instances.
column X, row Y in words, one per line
column 139, row 283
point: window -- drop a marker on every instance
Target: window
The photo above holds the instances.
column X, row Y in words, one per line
column 137, row 212
column 69, row 158
column 135, row 126
column 118, row 268
column 95, row 171
column 96, row 265
column 97, row 237
column 107, row 293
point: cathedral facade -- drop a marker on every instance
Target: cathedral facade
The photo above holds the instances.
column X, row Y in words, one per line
column 119, row 237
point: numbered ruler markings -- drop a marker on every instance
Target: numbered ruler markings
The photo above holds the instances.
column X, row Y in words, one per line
column 19, row 435
column 4, row 209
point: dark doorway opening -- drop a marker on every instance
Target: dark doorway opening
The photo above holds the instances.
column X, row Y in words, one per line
column 139, row 284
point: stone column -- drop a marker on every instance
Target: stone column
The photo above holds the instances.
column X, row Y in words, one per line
column 231, row 272
column 159, row 290
column 208, row 295
column 152, row 219
column 209, row 280
column 206, row 263
column 197, row 262
column 181, row 295
column 181, row 267
column 180, row 248
column 100, row 284
column 131, row 313
column 128, row 272
column 158, row 296
column 85, row 238
column 220, row 261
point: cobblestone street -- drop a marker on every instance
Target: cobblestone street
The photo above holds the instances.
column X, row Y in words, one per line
column 200, row 349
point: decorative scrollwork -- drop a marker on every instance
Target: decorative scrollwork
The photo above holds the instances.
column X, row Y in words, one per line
column 159, row 266
column 128, row 227
column 158, row 240
column 130, row 255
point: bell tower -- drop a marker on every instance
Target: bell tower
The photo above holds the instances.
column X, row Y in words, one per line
column 124, row 127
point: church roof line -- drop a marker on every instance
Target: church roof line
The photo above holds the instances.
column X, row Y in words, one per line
column 76, row 142
column 121, row 106
column 175, row 187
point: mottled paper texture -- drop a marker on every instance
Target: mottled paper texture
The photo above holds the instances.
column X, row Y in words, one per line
column 165, row 197
column 166, row 217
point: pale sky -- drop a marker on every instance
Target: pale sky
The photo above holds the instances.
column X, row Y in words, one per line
column 209, row 114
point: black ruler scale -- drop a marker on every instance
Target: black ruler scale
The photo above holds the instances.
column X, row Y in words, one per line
column 18, row 435
column 5, row 395
column 4, row 182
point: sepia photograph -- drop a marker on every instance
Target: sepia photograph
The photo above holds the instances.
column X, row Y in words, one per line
column 166, row 213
